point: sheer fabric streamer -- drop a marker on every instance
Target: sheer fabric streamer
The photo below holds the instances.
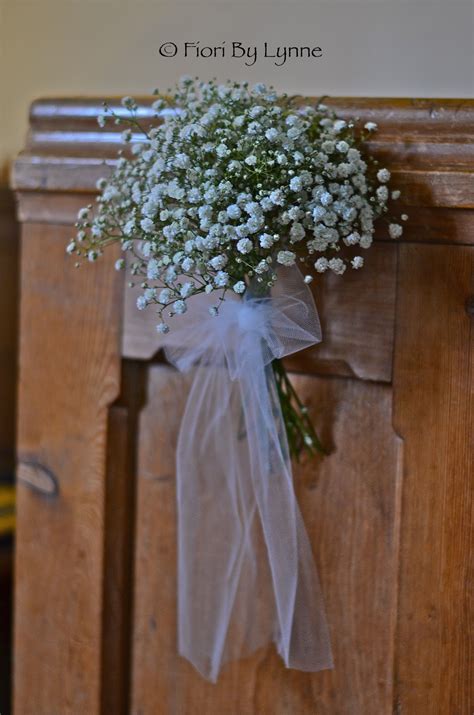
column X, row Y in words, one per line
column 246, row 574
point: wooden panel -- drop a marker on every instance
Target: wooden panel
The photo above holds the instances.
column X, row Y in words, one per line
column 69, row 375
column 427, row 225
column 435, row 225
column 122, row 433
column 9, row 296
column 350, row 504
column 434, row 394
column 357, row 316
column 427, row 143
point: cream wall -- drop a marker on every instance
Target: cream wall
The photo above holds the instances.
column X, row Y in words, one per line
column 370, row 47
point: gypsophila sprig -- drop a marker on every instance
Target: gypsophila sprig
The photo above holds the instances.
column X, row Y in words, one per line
column 227, row 184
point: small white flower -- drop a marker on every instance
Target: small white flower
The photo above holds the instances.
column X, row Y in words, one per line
column 147, row 224
column 337, row 265
column 262, row 267
column 318, row 213
column 383, row 175
column 308, row 279
column 222, row 150
column 83, row 214
column 141, row 302
column 370, row 126
column 342, row 147
column 101, row 120
column 221, row 279
column 128, row 102
column 321, row 265
column 187, row 264
column 213, row 310
column 396, row 194
column 251, row 160
column 239, row 287
column 293, row 132
column 244, row 245
column 382, row 193
column 404, row 217
column 180, row 307
column 152, row 270
column 162, row 328
column 120, row 264
column 208, row 288
column 271, row 134
column 92, row 256
column 352, row 238
column 129, row 227
column 157, row 105
column 286, row 258
column 296, row 184
column 165, row 296
column 127, row 136
column 357, row 262
column 233, row 211
column 328, row 146
column 395, row 230
column 71, row 247
column 339, row 125
column 266, row 240
column 218, row 262
column 297, row 232
column 186, row 289
column 277, row 197
column 255, row 223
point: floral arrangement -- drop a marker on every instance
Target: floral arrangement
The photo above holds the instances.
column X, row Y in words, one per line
column 226, row 184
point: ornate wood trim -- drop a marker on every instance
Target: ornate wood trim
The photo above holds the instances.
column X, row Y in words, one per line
column 428, row 144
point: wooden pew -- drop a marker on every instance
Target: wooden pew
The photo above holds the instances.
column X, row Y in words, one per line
column 387, row 512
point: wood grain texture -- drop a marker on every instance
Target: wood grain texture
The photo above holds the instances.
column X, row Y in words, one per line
column 427, row 143
column 425, row 225
column 350, row 504
column 399, row 624
column 69, row 375
column 434, row 396
column 122, row 434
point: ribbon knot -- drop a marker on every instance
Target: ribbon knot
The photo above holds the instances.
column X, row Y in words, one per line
column 246, row 574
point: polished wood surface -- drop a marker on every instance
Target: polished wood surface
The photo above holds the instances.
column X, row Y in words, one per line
column 434, row 415
column 69, row 377
column 350, row 505
column 387, row 511
column 427, row 142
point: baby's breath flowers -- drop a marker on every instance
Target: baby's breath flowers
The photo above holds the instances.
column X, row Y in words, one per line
column 228, row 183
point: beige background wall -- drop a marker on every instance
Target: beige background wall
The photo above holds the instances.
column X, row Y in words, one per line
column 370, row 47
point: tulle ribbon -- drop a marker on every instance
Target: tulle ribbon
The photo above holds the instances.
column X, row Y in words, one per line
column 246, row 574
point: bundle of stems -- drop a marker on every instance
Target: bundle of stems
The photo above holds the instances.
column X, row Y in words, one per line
column 300, row 430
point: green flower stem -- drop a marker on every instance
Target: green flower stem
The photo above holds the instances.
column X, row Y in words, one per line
column 299, row 427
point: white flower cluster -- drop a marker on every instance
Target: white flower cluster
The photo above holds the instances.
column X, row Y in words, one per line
column 228, row 183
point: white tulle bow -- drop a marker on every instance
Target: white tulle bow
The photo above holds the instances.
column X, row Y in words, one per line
column 246, row 574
